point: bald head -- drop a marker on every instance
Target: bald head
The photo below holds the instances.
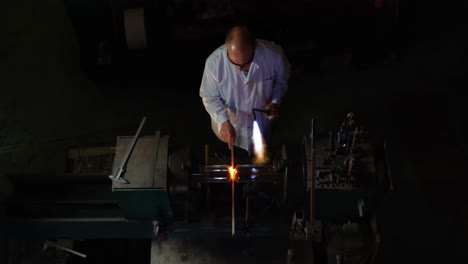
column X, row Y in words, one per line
column 240, row 44
column 240, row 33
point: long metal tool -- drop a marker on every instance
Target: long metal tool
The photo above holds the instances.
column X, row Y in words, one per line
column 267, row 112
column 48, row 243
column 121, row 170
column 390, row 178
column 312, row 172
column 233, row 221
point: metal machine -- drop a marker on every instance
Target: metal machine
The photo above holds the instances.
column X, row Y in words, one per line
column 346, row 176
column 321, row 192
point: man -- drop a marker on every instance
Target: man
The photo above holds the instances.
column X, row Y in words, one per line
column 242, row 74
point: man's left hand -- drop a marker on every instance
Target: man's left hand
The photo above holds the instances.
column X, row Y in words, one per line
column 273, row 111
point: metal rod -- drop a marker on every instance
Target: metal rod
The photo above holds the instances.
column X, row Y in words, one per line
column 390, row 178
column 265, row 111
column 312, row 172
column 284, row 157
column 259, row 110
column 354, row 141
column 349, row 158
column 233, row 222
column 207, row 154
column 135, row 138
column 157, row 138
column 52, row 244
column 121, row 169
column 207, row 185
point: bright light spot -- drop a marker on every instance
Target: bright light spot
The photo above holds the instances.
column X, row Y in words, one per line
column 259, row 146
column 232, row 173
column 254, row 170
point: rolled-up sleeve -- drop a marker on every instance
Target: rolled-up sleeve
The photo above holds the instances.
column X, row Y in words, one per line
column 282, row 74
column 211, row 97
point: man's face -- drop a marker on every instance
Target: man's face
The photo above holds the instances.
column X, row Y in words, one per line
column 240, row 54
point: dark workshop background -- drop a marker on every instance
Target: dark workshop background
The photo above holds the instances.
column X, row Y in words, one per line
column 68, row 79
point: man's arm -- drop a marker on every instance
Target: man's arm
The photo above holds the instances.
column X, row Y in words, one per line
column 215, row 105
column 280, row 84
column 282, row 74
column 211, row 97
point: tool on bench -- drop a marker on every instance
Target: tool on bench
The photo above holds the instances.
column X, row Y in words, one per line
column 121, row 170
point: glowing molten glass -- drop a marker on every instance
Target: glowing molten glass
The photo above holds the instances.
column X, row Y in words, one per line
column 232, row 173
column 259, row 146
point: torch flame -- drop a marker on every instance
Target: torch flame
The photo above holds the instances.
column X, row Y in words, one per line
column 232, row 173
column 259, row 146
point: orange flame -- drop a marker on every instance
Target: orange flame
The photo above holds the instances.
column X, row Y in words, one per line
column 232, row 174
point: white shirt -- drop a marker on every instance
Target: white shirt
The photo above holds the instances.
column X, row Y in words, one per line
column 229, row 94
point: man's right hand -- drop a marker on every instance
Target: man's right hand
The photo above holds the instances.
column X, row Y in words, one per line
column 227, row 133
